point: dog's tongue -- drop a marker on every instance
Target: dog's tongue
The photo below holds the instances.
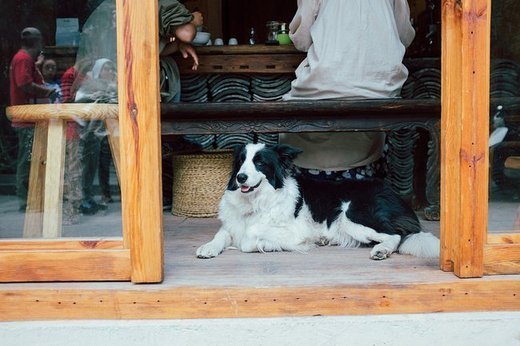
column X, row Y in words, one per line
column 244, row 188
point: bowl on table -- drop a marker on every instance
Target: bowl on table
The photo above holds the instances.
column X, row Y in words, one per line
column 201, row 38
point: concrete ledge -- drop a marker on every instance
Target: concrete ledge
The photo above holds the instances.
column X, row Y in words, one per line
column 419, row 329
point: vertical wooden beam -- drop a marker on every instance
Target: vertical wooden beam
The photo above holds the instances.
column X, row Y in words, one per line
column 139, row 123
column 465, row 117
column 451, row 99
column 54, row 170
column 33, row 223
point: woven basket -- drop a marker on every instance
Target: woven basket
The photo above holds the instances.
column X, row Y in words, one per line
column 199, row 181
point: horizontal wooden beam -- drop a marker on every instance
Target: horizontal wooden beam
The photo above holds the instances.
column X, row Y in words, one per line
column 62, row 244
column 503, row 238
column 63, row 111
column 158, row 302
column 502, row 259
column 68, row 265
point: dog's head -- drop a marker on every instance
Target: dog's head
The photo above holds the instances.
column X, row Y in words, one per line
column 256, row 164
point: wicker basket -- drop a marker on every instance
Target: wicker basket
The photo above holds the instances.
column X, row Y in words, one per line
column 199, row 180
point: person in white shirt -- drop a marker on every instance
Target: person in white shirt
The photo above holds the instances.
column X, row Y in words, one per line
column 354, row 50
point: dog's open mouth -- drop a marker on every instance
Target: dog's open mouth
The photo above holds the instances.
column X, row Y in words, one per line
column 247, row 189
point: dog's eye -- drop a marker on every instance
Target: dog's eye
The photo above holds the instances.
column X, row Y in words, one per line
column 260, row 163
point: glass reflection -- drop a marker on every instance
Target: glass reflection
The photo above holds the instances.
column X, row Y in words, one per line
column 73, row 64
column 504, row 193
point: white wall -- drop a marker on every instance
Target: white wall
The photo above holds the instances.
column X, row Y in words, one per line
column 476, row 329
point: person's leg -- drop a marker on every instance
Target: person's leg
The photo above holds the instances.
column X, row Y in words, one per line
column 89, row 146
column 105, row 157
column 72, row 182
column 23, row 164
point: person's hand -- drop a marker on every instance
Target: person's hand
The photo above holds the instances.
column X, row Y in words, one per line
column 198, row 19
column 39, row 60
column 186, row 51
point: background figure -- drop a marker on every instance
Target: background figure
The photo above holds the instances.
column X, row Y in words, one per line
column 26, row 87
column 177, row 28
column 71, row 81
column 354, row 50
column 51, row 79
column 99, row 87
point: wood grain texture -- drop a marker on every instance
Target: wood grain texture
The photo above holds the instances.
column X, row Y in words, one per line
column 139, row 124
column 450, row 135
column 503, row 238
column 54, row 173
column 62, row 244
column 476, row 33
column 64, row 111
column 229, row 63
column 65, row 265
column 502, row 259
column 240, row 302
column 33, row 222
column 464, row 133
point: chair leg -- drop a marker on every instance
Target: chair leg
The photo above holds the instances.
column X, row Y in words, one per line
column 112, row 127
column 53, row 200
column 33, row 223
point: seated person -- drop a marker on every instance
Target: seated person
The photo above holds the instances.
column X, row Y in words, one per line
column 355, row 51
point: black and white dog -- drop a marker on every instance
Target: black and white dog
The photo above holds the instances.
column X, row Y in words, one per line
column 268, row 206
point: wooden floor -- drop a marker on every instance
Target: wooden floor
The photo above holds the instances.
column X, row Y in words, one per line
column 325, row 281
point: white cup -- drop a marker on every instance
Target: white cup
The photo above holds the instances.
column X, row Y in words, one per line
column 233, row 41
column 218, row 42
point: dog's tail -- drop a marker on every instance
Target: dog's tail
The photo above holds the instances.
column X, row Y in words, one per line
column 421, row 244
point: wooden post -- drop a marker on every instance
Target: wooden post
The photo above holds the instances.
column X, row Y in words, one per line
column 465, row 131
column 33, row 223
column 54, row 170
column 139, row 123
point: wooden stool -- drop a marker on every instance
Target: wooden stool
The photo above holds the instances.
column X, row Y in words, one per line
column 45, row 195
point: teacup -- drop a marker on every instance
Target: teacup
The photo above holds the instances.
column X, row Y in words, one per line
column 218, row 42
column 233, row 41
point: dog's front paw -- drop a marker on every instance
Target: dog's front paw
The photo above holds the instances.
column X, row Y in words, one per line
column 208, row 251
column 380, row 252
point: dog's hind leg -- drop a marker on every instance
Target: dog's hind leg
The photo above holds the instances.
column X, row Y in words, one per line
column 212, row 249
column 388, row 243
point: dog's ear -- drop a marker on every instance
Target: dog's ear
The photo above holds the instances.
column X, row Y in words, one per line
column 238, row 149
column 287, row 152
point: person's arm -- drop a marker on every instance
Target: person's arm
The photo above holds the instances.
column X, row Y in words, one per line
column 171, row 15
column 185, row 49
column 37, row 90
column 402, row 19
column 300, row 26
column 24, row 79
column 186, row 32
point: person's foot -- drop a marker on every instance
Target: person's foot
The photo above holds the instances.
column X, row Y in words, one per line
column 88, row 207
column 107, row 199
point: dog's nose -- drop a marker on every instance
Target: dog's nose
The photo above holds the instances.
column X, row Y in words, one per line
column 242, row 178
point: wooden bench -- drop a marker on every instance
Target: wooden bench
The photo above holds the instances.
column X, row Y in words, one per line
column 315, row 116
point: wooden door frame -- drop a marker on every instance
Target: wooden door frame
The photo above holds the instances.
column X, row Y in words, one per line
column 138, row 256
column 466, row 249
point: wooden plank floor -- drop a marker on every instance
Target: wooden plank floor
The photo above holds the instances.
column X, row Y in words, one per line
column 325, row 281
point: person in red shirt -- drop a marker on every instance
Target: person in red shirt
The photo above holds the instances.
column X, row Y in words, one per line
column 26, row 87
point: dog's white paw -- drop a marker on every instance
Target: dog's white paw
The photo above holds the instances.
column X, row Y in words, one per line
column 208, row 251
column 380, row 252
